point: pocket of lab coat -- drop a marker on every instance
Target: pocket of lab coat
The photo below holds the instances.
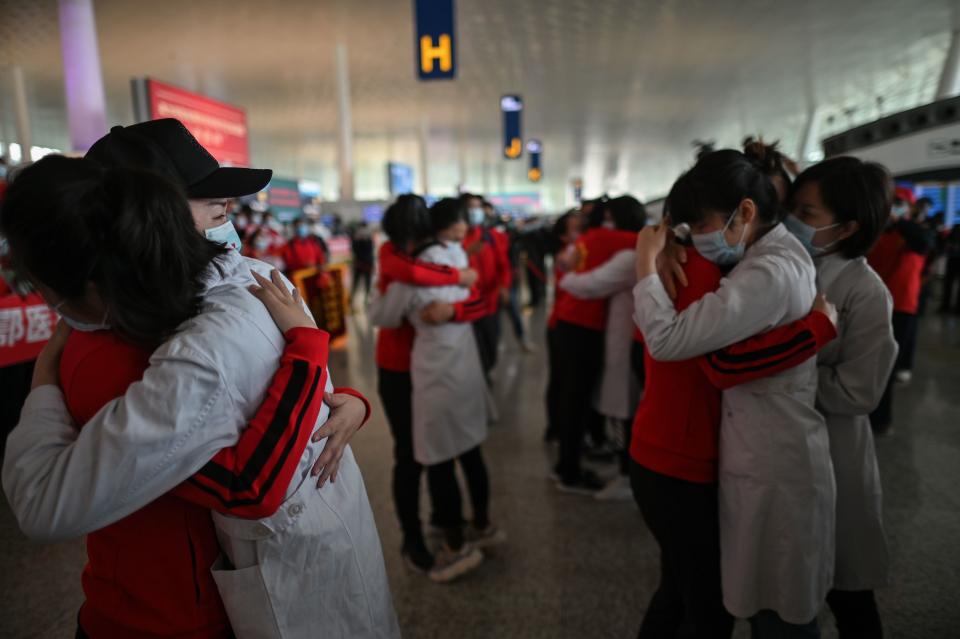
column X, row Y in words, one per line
column 246, row 600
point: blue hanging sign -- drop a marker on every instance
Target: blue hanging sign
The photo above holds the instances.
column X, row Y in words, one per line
column 512, row 108
column 435, row 45
column 534, row 150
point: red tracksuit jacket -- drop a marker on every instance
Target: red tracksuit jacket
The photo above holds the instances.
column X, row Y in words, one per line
column 594, row 247
column 394, row 345
column 488, row 250
column 148, row 575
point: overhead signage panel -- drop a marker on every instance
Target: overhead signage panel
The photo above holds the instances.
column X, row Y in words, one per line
column 435, row 44
column 512, row 108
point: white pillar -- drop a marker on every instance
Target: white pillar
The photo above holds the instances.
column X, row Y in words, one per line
column 424, row 140
column 21, row 116
column 461, row 162
column 949, row 85
column 345, row 121
column 83, row 79
column 809, row 138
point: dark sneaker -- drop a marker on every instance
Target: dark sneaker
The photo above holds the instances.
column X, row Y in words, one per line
column 586, row 484
column 418, row 558
column 486, row 537
column 881, row 430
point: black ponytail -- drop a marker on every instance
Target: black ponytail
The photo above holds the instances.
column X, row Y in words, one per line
column 407, row 220
column 130, row 233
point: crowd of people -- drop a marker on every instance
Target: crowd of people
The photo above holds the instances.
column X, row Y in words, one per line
column 742, row 352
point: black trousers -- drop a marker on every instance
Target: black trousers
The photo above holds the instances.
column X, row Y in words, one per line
column 363, row 274
column 905, row 327
column 487, row 332
column 905, row 334
column 856, row 614
column 683, row 518
column 951, row 297
column 15, row 381
column 552, row 398
column 396, row 395
column 445, row 492
column 580, row 355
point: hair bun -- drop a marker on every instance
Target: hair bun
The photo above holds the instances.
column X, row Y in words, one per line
column 768, row 157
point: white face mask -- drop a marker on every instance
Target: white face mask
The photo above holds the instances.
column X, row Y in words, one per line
column 900, row 210
column 477, row 216
column 713, row 246
column 225, row 234
column 83, row 327
column 805, row 233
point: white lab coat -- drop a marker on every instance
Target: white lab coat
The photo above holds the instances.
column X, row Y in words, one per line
column 201, row 389
column 777, row 494
column 618, row 392
column 449, row 401
column 853, row 373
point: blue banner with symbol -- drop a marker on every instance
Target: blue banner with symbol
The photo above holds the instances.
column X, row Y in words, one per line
column 512, row 108
column 435, row 44
column 534, row 150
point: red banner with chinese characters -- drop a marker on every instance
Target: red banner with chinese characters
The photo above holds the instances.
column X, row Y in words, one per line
column 25, row 326
column 220, row 127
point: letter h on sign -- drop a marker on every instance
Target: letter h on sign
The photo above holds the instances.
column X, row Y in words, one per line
column 435, row 41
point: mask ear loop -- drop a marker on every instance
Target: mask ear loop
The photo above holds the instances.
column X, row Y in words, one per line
column 727, row 226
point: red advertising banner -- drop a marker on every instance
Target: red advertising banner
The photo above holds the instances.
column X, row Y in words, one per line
column 220, row 127
column 25, row 326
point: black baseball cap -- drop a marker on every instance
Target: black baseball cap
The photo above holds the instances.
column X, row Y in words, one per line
column 167, row 147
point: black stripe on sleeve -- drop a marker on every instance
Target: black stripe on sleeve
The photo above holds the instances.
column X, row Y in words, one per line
column 763, row 353
column 281, row 417
column 811, row 345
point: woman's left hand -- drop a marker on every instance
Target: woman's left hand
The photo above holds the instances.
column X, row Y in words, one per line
column 46, row 371
column 346, row 417
column 284, row 306
column 650, row 242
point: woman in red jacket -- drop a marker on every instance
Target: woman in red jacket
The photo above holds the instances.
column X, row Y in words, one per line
column 405, row 222
column 674, row 448
column 148, row 574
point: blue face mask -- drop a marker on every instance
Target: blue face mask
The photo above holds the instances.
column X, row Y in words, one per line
column 83, row 327
column 303, row 231
column 225, row 234
column 805, row 233
column 713, row 246
column 477, row 216
column 900, row 210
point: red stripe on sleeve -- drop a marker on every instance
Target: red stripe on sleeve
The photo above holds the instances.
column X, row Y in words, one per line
column 251, row 478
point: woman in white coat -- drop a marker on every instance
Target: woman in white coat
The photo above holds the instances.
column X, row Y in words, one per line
column 449, row 401
column 838, row 209
column 777, row 493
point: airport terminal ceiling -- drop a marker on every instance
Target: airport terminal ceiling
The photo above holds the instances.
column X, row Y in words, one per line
column 617, row 90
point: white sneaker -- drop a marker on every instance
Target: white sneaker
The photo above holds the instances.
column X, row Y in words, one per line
column 618, row 489
column 904, row 377
column 489, row 536
column 451, row 564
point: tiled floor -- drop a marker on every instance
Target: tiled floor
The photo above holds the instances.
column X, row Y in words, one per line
column 574, row 567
